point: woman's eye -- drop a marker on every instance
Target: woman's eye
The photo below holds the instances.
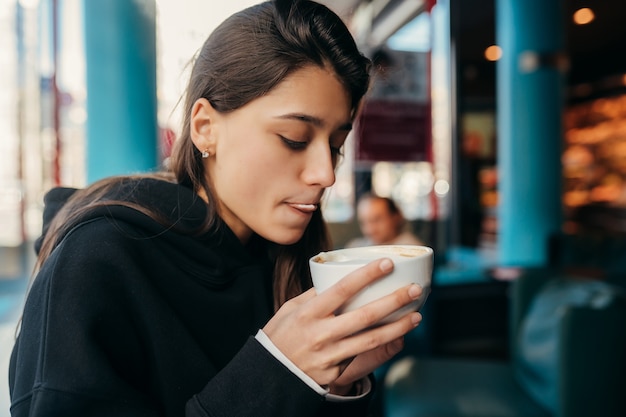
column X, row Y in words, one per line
column 294, row 144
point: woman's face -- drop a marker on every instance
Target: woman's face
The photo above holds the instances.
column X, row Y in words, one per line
column 274, row 157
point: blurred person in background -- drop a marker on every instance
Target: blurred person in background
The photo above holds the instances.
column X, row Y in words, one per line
column 188, row 292
column 382, row 223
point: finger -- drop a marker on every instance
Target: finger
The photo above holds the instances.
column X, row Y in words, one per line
column 372, row 313
column 337, row 295
column 375, row 337
column 368, row 362
column 344, row 364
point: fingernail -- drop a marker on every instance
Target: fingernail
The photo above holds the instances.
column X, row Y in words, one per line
column 416, row 318
column 415, row 291
column 386, row 265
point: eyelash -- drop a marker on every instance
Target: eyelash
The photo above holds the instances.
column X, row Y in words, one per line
column 294, row 144
column 299, row 145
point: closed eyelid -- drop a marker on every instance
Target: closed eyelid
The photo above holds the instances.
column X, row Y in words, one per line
column 294, row 144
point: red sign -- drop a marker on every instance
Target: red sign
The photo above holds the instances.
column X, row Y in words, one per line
column 394, row 131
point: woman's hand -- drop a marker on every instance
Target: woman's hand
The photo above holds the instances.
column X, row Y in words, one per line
column 364, row 364
column 337, row 350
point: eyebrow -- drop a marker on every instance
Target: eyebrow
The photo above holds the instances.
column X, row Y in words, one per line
column 315, row 121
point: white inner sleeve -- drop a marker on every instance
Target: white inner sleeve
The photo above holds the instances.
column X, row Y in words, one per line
column 271, row 348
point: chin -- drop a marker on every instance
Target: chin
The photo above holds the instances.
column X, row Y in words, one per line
column 288, row 241
column 288, row 237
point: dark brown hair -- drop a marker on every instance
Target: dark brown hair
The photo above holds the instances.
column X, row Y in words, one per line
column 392, row 207
column 248, row 55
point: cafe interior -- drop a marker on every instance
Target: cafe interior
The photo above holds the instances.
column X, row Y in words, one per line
column 498, row 126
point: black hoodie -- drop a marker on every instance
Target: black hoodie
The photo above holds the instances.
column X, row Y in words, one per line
column 128, row 317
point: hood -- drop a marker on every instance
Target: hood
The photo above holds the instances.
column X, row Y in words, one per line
column 210, row 256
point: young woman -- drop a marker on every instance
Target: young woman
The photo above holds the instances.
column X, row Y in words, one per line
column 188, row 292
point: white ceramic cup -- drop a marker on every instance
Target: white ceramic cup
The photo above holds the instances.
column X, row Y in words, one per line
column 412, row 264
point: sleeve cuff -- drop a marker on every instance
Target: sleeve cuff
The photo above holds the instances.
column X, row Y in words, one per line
column 366, row 385
column 365, row 388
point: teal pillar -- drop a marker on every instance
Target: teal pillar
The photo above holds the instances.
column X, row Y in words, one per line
column 120, row 48
column 530, row 94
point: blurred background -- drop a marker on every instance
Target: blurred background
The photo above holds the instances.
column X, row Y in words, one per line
column 498, row 126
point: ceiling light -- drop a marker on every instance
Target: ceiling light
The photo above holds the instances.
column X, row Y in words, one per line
column 583, row 16
column 493, row 53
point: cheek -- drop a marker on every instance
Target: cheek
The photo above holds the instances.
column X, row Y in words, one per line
column 390, row 225
column 251, row 171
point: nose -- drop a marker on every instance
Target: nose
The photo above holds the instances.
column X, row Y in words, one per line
column 319, row 165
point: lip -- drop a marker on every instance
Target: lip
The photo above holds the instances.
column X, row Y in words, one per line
column 306, row 208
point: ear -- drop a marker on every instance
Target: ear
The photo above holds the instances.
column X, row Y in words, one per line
column 201, row 123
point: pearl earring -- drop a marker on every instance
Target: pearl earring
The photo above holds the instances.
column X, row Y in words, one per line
column 205, row 154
